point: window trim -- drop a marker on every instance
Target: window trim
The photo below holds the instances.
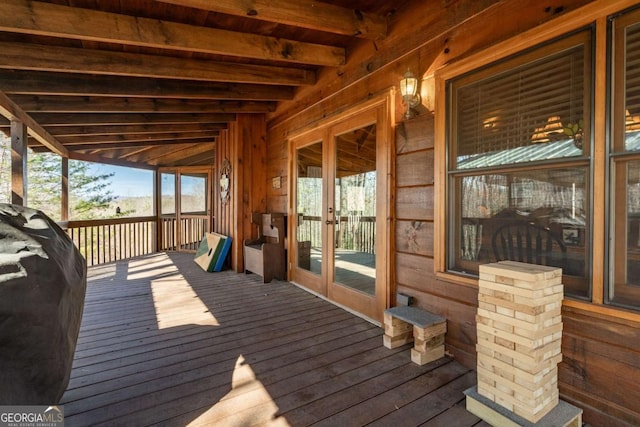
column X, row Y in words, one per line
column 597, row 14
column 582, row 38
column 617, row 157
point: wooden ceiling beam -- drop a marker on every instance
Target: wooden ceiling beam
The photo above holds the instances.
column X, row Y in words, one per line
column 74, row 155
column 71, row 141
column 95, row 104
column 95, row 119
column 133, row 144
column 143, row 154
column 152, row 155
column 131, row 152
column 28, row 56
column 45, row 83
column 207, row 157
column 169, row 159
column 11, row 110
column 45, row 19
column 309, row 14
column 144, row 129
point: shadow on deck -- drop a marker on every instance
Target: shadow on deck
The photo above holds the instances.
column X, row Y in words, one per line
column 163, row 342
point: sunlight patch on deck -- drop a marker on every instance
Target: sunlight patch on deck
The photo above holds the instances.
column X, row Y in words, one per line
column 247, row 403
column 103, row 271
column 177, row 304
column 149, row 268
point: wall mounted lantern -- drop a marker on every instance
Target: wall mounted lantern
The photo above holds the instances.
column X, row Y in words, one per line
column 409, row 91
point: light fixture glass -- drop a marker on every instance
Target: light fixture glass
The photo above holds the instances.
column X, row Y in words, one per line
column 409, row 92
column 552, row 130
column 632, row 123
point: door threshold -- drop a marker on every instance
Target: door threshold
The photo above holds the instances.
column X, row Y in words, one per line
column 355, row 313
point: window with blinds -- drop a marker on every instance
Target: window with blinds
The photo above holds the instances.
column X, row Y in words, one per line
column 624, row 280
column 519, row 162
column 531, row 112
column 632, row 84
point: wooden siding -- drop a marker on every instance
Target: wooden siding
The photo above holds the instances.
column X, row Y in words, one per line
column 163, row 342
column 414, row 234
column 600, row 371
column 243, row 144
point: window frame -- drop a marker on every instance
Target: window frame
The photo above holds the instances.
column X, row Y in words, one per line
column 597, row 15
column 577, row 286
column 618, row 159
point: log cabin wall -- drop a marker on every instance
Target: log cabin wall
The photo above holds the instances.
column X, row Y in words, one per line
column 601, row 351
column 221, row 211
column 243, row 144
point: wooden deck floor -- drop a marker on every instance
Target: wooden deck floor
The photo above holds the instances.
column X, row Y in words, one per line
column 163, row 342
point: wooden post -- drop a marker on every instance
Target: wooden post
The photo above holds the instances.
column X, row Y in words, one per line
column 64, row 197
column 248, row 181
column 157, row 203
column 18, row 163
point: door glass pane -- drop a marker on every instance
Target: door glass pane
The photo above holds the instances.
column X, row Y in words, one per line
column 193, row 209
column 309, row 207
column 355, row 209
column 168, row 193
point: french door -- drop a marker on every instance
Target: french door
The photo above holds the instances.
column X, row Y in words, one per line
column 185, row 207
column 340, row 212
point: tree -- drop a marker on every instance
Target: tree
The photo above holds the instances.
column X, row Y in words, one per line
column 44, row 183
column 89, row 194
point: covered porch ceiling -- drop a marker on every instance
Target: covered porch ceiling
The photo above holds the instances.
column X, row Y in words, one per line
column 154, row 82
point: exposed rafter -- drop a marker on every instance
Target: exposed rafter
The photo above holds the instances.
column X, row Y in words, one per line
column 32, row 17
column 74, row 155
column 11, row 110
column 175, row 156
column 28, row 56
column 45, row 83
column 302, row 13
column 145, row 129
column 87, row 119
column 110, row 140
column 142, row 143
column 154, row 81
column 78, row 104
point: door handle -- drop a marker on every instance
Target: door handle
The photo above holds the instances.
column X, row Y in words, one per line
column 328, row 222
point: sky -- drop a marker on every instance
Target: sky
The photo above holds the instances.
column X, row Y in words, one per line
column 127, row 182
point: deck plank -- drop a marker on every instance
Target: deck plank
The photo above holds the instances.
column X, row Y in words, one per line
column 457, row 415
column 163, row 342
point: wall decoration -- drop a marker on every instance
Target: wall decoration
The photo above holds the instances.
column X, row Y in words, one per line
column 225, row 181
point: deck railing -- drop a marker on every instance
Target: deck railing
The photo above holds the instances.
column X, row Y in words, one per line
column 105, row 240
column 355, row 233
column 192, row 228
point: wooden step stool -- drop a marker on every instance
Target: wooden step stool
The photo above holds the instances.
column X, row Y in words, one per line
column 405, row 324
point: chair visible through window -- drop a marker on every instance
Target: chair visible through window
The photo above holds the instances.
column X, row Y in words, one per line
column 530, row 243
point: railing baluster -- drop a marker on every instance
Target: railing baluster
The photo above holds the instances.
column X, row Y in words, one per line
column 102, row 241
